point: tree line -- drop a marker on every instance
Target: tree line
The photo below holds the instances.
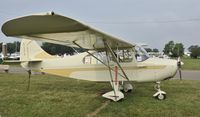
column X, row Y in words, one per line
column 151, row 50
column 195, row 51
column 171, row 49
column 56, row 49
column 53, row 49
column 11, row 47
column 174, row 49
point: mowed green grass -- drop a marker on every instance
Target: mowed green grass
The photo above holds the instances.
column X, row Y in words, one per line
column 191, row 64
column 52, row 96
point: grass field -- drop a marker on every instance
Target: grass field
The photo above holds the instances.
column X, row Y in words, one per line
column 191, row 64
column 52, row 96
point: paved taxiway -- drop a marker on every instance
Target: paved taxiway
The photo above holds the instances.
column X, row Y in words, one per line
column 189, row 75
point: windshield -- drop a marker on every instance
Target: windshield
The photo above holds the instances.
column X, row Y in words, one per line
column 141, row 54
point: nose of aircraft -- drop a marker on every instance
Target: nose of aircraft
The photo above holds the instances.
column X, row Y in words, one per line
column 171, row 67
column 174, row 66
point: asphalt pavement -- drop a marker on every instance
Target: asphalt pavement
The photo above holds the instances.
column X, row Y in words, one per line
column 189, row 75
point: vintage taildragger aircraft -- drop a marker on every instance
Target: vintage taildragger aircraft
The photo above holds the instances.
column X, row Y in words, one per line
column 106, row 58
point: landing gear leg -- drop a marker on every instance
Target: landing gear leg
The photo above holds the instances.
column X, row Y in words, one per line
column 116, row 94
column 160, row 95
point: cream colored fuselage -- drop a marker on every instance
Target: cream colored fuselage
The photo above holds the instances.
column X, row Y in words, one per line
column 150, row 70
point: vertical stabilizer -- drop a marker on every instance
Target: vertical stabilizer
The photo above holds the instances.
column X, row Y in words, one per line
column 31, row 51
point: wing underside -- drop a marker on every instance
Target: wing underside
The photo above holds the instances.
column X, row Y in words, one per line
column 62, row 30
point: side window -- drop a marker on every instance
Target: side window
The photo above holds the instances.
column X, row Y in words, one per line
column 91, row 60
column 125, row 55
column 87, row 59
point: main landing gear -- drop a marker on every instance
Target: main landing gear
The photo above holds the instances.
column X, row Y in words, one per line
column 160, row 95
column 125, row 87
column 116, row 94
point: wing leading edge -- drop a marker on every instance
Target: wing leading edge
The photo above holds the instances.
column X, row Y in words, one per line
column 54, row 28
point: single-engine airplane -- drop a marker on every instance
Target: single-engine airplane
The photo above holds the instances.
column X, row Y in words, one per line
column 106, row 58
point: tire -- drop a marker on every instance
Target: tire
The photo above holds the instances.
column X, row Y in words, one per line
column 161, row 96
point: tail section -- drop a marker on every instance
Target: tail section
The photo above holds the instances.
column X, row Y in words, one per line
column 31, row 51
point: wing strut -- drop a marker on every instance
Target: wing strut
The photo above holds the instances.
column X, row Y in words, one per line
column 111, row 77
column 116, row 94
column 99, row 60
column 115, row 58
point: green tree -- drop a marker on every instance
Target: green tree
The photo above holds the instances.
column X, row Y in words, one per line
column 148, row 49
column 173, row 50
column 169, row 48
column 13, row 47
column 55, row 49
column 10, row 48
column 178, row 50
column 155, row 50
column 195, row 51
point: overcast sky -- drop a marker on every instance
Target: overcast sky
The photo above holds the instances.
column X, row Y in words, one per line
column 153, row 22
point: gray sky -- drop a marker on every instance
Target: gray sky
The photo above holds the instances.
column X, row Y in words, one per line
column 153, row 22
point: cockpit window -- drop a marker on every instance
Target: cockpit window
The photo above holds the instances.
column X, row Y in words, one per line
column 122, row 56
column 125, row 55
column 141, row 54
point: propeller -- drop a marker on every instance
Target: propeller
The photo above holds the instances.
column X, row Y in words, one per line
column 179, row 63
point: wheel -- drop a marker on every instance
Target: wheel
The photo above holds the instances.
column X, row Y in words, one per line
column 121, row 88
column 127, row 90
column 128, row 87
column 161, row 96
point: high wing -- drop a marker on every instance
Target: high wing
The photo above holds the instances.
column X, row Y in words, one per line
column 54, row 28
